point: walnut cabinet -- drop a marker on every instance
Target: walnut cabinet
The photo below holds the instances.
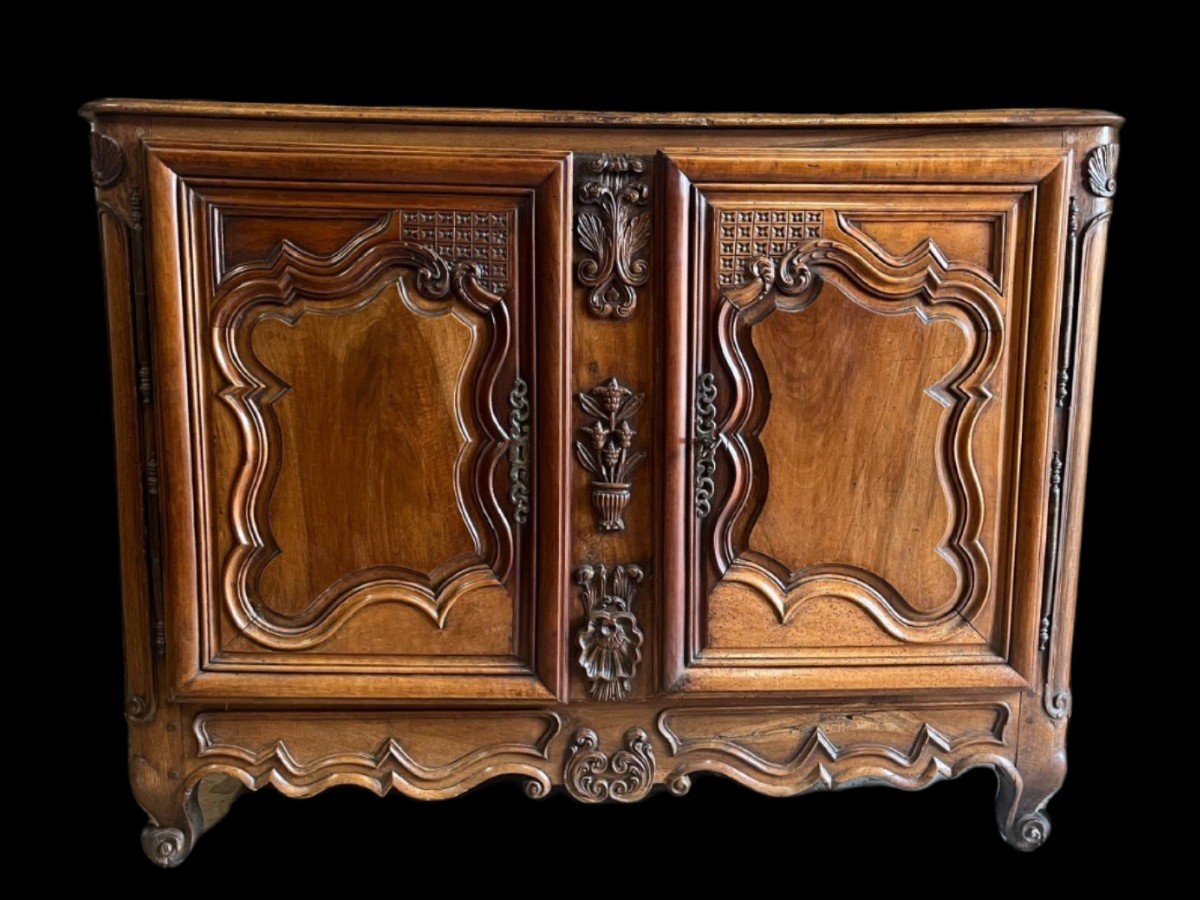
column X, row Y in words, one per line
column 598, row 451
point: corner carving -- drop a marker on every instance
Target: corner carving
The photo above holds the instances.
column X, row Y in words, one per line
column 921, row 283
column 1102, row 170
column 591, row 777
column 518, row 450
column 611, row 228
column 609, row 454
column 294, row 283
column 610, row 641
column 108, row 160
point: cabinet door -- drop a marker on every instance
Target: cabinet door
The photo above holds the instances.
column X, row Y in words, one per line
column 359, row 380
column 862, row 348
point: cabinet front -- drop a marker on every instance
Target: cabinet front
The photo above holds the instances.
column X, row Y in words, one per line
column 360, row 374
column 862, row 348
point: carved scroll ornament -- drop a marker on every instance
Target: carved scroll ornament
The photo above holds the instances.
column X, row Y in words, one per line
column 592, row 777
column 610, row 641
column 609, row 226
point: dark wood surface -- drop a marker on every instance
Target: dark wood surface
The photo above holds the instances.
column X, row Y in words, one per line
column 325, row 578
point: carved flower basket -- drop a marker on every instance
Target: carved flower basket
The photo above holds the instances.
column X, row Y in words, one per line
column 610, row 501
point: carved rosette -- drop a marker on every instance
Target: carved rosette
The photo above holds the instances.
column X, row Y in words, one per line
column 610, row 641
column 590, row 776
column 108, row 162
column 607, row 451
column 518, row 450
column 1102, row 170
column 610, row 226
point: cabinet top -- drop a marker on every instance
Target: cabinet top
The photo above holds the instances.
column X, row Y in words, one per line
column 421, row 115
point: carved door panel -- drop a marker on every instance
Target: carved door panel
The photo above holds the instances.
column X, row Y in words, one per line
column 847, row 334
column 360, row 364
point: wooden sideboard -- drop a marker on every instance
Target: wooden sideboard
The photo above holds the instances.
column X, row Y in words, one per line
column 597, row 450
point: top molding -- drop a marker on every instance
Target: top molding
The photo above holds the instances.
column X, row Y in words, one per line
column 420, row 115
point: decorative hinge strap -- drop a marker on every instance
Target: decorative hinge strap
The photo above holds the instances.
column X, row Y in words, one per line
column 1066, row 339
column 1056, row 482
column 518, row 450
column 707, row 440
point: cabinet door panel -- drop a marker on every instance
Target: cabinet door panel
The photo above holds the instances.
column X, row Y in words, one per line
column 349, row 400
column 848, row 333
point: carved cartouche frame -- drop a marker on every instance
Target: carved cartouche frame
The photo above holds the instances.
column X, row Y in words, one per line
column 295, row 283
column 917, row 284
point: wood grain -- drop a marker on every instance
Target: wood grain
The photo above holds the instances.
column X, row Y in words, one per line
column 866, row 348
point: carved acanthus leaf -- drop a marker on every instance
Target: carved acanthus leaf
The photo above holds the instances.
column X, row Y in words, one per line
column 614, row 233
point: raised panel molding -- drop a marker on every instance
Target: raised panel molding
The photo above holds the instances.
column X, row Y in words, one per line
column 393, row 752
column 859, row 226
column 906, row 748
column 923, row 284
column 295, row 283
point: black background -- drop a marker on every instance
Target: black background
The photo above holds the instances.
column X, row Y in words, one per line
column 866, row 836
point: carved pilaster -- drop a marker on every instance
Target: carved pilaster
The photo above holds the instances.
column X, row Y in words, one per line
column 612, row 227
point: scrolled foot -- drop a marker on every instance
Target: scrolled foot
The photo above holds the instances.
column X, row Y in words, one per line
column 679, row 785
column 1020, row 808
column 166, row 847
column 537, row 788
column 1029, row 832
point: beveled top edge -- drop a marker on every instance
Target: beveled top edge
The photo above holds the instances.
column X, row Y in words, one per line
column 422, row 115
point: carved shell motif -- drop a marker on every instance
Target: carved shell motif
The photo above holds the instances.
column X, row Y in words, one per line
column 1102, row 170
column 108, row 162
column 610, row 641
